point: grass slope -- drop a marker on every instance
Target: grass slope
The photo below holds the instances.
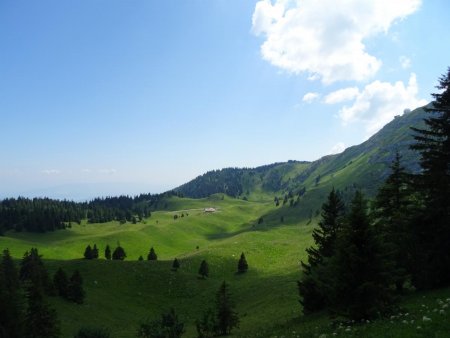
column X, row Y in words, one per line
column 122, row 293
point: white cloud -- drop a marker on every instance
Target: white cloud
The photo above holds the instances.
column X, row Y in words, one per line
column 337, row 148
column 379, row 102
column 51, row 171
column 342, row 95
column 86, row 171
column 310, row 97
column 326, row 38
column 405, row 62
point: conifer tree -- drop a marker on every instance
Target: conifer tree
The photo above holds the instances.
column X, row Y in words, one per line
column 10, row 300
column 95, row 252
column 75, row 289
column 431, row 226
column 140, row 258
column 242, row 264
column 152, row 255
column 393, row 205
column 40, row 320
column 313, row 287
column 32, row 270
column 361, row 288
column 175, row 264
column 204, row 269
column 227, row 318
column 61, row 283
column 88, row 252
column 108, row 252
column 119, row 254
column 168, row 326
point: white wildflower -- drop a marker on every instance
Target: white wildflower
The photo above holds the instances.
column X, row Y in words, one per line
column 426, row 319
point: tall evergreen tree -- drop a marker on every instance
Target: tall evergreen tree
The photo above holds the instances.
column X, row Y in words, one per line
column 393, row 205
column 119, row 253
column 361, row 288
column 32, row 270
column 40, row 320
column 88, row 252
column 431, row 226
column 242, row 264
column 175, row 264
column 10, row 300
column 312, row 287
column 75, row 289
column 108, row 252
column 204, row 269
column 61, row 283
column 95, row 252
column 227, row 318
column 152, row 255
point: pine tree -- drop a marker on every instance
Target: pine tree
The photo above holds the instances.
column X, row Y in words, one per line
column 175, row 264
column 61, row 283
column 227, row 318
column 361, row 288
column 431, row 226
column 119, row 254
column 152, row 255
column 242, row 264
column 94, row 252
column 140, row 258
column 88, row 252
column 393, row 205
column 313, row 286
column 32, row 270
column 108, row 252
column 40, row 320
column 75, row 288
column 204, row 269
column 10, row 300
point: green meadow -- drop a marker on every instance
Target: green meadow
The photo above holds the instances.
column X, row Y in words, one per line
column 120, row 294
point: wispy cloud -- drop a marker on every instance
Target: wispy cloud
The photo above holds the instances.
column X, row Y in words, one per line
column 326, row 38
column 310, row 97
column 51, row 171
column 342, row 95
column 337, row 148
column 405, row 62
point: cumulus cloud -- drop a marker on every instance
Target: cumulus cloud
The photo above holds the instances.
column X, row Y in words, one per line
column 310, row 97
column 342, row 95
column 51, row 171
column 326, row 38
column 379, row 102
column 337, row 148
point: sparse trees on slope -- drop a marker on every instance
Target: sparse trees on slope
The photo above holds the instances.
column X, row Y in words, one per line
column 169, row 326
column 431, row 226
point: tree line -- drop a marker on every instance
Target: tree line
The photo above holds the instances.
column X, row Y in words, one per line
column 366, row 254
column 45, row 214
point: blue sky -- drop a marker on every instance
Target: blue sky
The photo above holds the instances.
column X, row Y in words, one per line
column 109, row 97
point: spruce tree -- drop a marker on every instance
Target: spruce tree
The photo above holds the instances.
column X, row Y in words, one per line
column 227, row 318
column 32, row 270
column 119, row 254
column 393, row 207
column 75, row 288
column 152, row 255
column 204, row 269
column 10, row 300
column 175, row 264
column 242, row 264
column 108, row 252
column 313, row 287
column 361, row 286
column 61, row 283
column 95, row 252
column 40, row 320
column 88, row 252
column 431, row 226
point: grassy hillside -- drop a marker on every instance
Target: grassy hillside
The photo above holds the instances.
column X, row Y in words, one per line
column 122, row 293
